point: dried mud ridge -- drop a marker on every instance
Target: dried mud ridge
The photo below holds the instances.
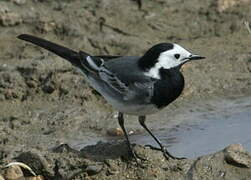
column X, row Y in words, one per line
column 111, row 161
column 44, row 102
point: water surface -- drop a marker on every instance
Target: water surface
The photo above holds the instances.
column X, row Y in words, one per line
column 206, row 128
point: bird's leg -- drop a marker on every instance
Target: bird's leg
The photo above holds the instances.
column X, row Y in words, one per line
column 162, row 148
column 121, row 123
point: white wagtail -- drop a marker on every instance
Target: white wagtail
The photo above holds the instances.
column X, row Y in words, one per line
column 137, row 85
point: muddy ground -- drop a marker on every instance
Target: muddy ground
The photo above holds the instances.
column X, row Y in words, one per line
column 45, row 104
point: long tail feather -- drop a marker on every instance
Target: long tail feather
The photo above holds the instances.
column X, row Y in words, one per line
column 66, row 53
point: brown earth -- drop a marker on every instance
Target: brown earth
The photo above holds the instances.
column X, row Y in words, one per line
column 45, row 102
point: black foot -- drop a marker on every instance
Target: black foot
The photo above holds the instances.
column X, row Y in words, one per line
column 166, row 154
column 138, row 159
column 132, row 153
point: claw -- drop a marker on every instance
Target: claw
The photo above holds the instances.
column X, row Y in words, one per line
column 166, row 154
column 138, row 159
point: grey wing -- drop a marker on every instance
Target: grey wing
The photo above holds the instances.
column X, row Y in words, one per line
column 95, row 67
column 122, row 75
column 126, row 69
column 113, row 81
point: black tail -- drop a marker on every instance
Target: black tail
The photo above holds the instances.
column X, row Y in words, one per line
column 72, row 56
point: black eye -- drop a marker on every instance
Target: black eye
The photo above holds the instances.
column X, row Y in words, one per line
column 177, row 56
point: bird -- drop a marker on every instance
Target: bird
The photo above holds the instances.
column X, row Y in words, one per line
column 134, row 85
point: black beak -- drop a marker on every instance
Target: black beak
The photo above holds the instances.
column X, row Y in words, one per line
column 195, row 57
column 191, row 58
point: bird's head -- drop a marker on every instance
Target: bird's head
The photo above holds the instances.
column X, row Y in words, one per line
column 165, row 56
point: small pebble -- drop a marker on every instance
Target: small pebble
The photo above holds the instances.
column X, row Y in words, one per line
column 115, row 132
column 93, row 169
column 13, row 172
column 236, row 155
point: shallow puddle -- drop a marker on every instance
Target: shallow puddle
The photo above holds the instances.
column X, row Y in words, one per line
column 211, row 136
column 206, row 132
column 213, row 127
column 208, row 136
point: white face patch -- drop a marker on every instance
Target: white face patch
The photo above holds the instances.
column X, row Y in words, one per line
column 169, row 59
